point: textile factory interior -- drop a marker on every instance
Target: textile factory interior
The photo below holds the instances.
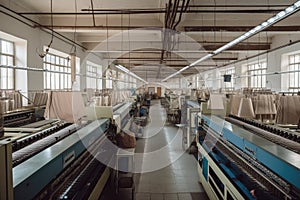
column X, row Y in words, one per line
column 149, row 99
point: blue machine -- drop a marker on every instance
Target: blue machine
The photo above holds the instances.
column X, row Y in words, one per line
column 222, row 177
column 31, row 176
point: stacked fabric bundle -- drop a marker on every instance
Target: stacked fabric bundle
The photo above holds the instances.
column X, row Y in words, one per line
column 235, row 104
column 264, row 106
column 288, row 110
column 40, row 99
column 4, row 105
column 203, row 94
column 17, row 98
column 90, row 93
column 246, row 108
column 106, row 101
column 67, row 106
column 216, row 102
column 194, row 95
column 97, row 101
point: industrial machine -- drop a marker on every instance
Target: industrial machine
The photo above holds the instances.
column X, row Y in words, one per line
column 245, row 159
column 51, row 159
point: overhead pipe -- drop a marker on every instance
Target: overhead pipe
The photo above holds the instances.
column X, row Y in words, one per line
column 180, row 14
column 239, row 6
column 174, row 13
column 161, row 11
column 65, row 39
column 93, row 12
column 183, row 9
column 168, row 11
column 260, row 54
column 167, row 17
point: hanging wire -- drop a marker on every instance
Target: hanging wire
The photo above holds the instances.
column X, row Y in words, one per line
column 107, row 39
column 93, row 13
column 75, row 30
column 51, row 8
column 129, row 48
column 122, row 49
column 42, row 55
column 215, row 20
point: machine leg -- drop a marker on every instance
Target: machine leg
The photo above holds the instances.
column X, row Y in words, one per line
column 6, row 185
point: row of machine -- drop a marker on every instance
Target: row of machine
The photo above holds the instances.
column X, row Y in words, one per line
column 53, row 159
column 242, row 158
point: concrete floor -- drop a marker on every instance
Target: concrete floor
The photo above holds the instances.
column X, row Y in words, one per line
column 178, row 180
column 163, row 171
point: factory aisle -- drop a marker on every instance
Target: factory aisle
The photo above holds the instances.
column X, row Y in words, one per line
column 176, row 179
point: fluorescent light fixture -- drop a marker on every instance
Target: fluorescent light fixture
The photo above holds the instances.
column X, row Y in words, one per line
column 200, row 60
column 265, row 24
column 282, row 13
column 271, row 21
column 182, row 69
column 257, row 28
column 247, row 34
column 124, row 69
column 188, row 66
column 289, row 9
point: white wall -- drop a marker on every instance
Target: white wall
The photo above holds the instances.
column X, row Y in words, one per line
column 36, row 40
column 276, row 61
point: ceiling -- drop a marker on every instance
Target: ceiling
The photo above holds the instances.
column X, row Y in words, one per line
column 153, row 41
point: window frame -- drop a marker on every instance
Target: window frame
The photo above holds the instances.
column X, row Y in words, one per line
column 294, row 77
column 58, row 63
column 95, row 75
column 13, row 71
column 256, row 72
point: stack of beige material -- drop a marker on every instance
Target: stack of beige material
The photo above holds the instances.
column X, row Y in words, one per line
column 17, row 98
column 204, row 94
column 90, row 93
column 67, row 106
column 4, row 105
column 194, row 95
column 216, row 102
column 288, row 111
column 235, row 103
column 264, row 106
column 40, row 99
column 106, row 101
column 97, row 100
column 246, row 108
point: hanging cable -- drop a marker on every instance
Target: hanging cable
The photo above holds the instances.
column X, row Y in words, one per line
column 52, row 34
column 129, row 48
column 93, row 12
column 42, row 55
column 215, row 20
column 75, row 31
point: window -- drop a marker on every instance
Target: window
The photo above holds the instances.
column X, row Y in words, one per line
column 228, row 85
column 94, row 76
column 294, row 75
column 110, row 76
column 209, row 80
column 7, row 57
column 257, row 77
column 55, row 80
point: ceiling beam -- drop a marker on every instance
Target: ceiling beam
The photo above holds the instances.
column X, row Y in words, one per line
column 239, row 28
column 239, row 47
column 175, row 59
column 152, row 11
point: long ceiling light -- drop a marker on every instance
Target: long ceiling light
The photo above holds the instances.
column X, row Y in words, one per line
column 124, row 69
column 271, row 21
